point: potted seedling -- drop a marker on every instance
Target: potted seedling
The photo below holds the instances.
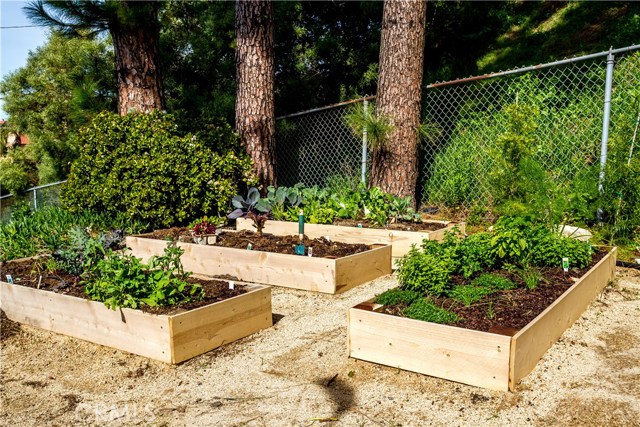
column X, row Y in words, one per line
column 252, row 207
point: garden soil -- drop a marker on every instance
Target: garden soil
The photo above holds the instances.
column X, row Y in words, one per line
column 297, row 373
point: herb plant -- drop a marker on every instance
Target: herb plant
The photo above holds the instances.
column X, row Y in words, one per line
column 425, row 309
column 397, row 296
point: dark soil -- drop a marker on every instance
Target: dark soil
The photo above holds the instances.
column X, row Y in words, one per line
column 22, row 272
column 270, row 243
column 506, row 312
column 400, row 225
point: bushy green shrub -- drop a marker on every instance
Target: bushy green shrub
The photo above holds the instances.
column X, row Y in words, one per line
column 551, row 248
column 424, row 273
column 151, row 170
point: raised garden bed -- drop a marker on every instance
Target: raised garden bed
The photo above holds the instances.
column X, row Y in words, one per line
column 170, row 338
column 483, row 359
column 327, row 275
column 401, row 240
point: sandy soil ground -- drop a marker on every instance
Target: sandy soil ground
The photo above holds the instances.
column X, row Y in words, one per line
column 297, row 373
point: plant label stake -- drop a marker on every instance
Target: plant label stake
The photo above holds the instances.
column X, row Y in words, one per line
column 9, row 279
column 249, row 247
column 565, row 264
column 232, row 284
column 637, row 260
column 310, row 251
column 300, row 247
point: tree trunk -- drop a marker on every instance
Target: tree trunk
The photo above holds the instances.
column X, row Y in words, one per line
column 395, row 166
column 255, row 114
column 137, row 68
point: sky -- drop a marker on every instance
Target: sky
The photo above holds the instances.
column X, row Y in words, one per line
column 15, row 43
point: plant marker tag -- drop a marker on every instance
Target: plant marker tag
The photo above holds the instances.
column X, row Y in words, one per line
column 565, row 264
column 637, row 260
column 359, row 225
column 249, row 247
column 310, row 251
column 328, row 238
column 9, row 279
column 232, row 284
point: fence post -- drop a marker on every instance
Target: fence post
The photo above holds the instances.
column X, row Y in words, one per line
column 364, row 146
column 35, row 199
column 605, row 125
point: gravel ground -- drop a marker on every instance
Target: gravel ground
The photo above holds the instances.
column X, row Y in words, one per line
column 297, row 373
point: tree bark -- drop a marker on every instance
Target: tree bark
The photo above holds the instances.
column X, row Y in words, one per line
column 395, row 166
column 255, row 113
column 137, row 56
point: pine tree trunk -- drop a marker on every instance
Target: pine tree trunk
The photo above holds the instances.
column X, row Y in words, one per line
column 395, row 166
column 136, row 56
column 255, row 114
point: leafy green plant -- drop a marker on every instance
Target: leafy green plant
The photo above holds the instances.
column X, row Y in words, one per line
column 424, row 309
column 551, row 248
column 122, row 280
column 531, row 276
column 397, row 296
column 424, row 273
column 468, row 294
column 171, row 175
column 253, row 207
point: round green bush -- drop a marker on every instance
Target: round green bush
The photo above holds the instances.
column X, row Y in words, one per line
column 424, row 273
column 147, row 167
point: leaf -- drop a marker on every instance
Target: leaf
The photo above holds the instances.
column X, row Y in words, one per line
column 236, row 214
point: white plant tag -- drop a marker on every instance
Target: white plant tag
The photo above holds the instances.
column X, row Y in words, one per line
column 232, row 284
column 310, row 251
column 565, row 264
column 637, row 260
column 9, row 279
column 328, row 238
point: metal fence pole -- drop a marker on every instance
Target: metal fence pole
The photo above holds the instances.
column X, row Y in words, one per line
column 604, row 143
column 35, row 199
column 364, row 145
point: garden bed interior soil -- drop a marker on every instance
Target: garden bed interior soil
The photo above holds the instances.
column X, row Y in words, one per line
column 22, row 272
column 322, row 247
column 511, row 309
column 400, row 225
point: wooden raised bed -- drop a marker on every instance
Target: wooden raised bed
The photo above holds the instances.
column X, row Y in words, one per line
column 471, row 357
column 168, row 338
column 400, row 240
column 292, row 271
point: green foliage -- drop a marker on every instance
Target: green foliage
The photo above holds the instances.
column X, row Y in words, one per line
column 170, row 176
column 29, row 233
column 62, row 86
column 377, row 126
column 397, row 296
column 122, row 280
column 551, row 248
column 84, row 251
column 18, row 171
column 424, row 273
column 531, row 276
column 468, row 294
column 322, row 216
column 426, row 310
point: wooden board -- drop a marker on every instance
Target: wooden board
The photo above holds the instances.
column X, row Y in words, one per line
column 461, row 355
column 400, row 240
column 532, row 341
column 471, row 357
column 145, row 334
column 292, row 271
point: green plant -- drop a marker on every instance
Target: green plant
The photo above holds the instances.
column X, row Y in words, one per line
column 551, row 248
column 531, row 276
column 397, row 296
column 468, row 294
column 322, row 216
column 171, row 175
column 252, row 207
column 424, row 309
column 377, row 126
column 490, row 313
column 122, row 280
column 424, row 273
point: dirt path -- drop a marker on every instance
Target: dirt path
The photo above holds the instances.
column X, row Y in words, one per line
column 297, row 373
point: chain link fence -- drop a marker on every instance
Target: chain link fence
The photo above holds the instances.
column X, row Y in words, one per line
column 466, row 118
column 36, row 197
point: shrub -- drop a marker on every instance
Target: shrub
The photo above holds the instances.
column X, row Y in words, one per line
column 424, row 273
column 549, row 251
column 146, row 167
